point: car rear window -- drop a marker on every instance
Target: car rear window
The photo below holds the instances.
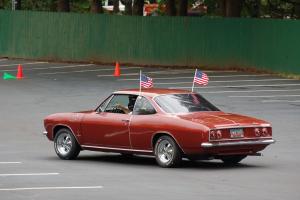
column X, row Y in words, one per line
column 184, row 103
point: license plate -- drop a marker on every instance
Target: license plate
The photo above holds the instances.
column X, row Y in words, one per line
column 236, row 133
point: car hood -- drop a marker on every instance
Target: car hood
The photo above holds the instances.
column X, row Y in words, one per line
column 221, row 119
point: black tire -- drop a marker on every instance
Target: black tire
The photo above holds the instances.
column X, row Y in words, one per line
column 233, row 160
column 167, row 152
column 65, row 145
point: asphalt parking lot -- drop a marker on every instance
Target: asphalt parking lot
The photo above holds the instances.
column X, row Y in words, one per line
column 30, row 169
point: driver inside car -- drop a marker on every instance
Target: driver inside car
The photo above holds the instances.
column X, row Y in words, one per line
column 129, row 109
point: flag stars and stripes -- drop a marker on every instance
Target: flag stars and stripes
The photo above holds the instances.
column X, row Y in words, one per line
column 201, row 78
column 146, row 82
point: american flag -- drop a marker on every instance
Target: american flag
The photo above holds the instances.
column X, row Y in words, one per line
column 146, row 82
column 201, row 78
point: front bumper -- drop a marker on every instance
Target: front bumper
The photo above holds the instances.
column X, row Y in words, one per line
column 237, row 143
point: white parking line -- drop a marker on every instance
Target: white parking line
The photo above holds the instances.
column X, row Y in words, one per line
column 30, row 174
column 10, row 163
column 32, row 63
column 45, row 68
column 163, row 72
column 229, row 81
column 245, row 91
column 92, row 70
column 4, row 59
column 73, row 66
column 51, row 188
column 279, row 101
column 238, row 86
column 190, row 77
column 267, row 96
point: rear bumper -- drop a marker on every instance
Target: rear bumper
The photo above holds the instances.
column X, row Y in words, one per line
column 45, row 133
column 237, row 143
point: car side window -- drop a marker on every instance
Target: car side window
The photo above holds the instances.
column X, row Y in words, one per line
column 104, row 104
column 143, row 107
column 121, row 103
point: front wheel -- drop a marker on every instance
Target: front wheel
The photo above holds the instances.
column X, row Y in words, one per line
column 65, row 145
column 233, row 160
column 167, row 152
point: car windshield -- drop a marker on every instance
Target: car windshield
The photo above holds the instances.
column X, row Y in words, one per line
column 184, row 103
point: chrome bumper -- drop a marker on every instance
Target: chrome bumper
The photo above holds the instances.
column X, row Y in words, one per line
column 45, row 133
column 238, row 143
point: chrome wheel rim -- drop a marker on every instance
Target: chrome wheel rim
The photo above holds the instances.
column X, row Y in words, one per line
column 165, row 151
column 64, row 143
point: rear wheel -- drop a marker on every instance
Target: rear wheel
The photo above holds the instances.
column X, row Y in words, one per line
column 167, row 152
column 233, row 160
column 65, row 145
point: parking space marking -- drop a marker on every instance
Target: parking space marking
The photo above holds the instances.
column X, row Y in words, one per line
column 87, row 65
column 190, row 77
column 52, row 188
column 245, row 91
column 65, row 66
column 3, row 59
column 281, row 101
column 45, row 68
column 163, row 72
column 267, row 96
column 92, row 70
column 229, row 81
column 32, row 63
column 239, row 86
column 30, row 174
column 10, row 163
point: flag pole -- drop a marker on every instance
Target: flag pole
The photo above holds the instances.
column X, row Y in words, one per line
column 193, row 80
column 140, row 83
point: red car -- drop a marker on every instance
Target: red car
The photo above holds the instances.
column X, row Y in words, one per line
column 170, row 124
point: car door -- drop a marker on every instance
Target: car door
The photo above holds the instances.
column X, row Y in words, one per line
column 144, row 122
column 108, row 126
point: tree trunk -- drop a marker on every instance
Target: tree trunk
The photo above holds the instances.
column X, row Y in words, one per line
column 53, row 5
column 297, row 11
column 233, row 8
column 63, row 5
column 221, row 9
column 170, row 8
column 183, row 7
column 128, row 6
column 138, row 7
column 18, row 4
column 96, row 6
column 1, row 4
column 116, row 6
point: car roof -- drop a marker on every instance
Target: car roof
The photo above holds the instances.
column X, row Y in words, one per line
column 151, row 92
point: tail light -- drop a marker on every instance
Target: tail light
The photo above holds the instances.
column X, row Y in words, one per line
column 257, row 132
column 215, row 135
column 262, row 132
column 265, row 132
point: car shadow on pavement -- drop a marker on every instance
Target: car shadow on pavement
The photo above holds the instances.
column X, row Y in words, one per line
column 150, row 161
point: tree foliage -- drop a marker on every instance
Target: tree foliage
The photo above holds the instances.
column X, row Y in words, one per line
column 218, row 8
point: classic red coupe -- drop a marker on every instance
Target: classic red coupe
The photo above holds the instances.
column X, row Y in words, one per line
column 169, row 124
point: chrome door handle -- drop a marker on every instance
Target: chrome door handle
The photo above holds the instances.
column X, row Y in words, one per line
column 125, row 120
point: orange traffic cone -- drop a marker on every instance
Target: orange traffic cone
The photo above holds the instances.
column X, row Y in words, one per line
column 117, row 69
column 20, row 72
